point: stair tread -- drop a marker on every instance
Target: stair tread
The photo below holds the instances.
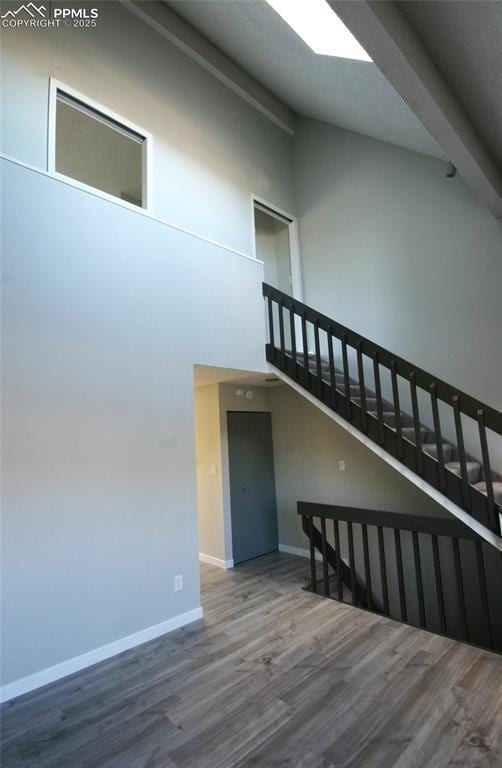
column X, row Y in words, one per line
column 497, row 490
column 390, row 416
column 473, row 469
column 433, row 445
column 409, row 434
column 431, row 450
column 454, row 465
column 370, row 402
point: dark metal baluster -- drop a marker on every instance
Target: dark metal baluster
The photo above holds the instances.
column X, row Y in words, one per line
column 292, row 330
column 352, row 563
column 439, row 583
column 339, row 582
column 383, row 570
column 318, row 358
column 332, row 372
column 397, row 411
column 466, row 491
column 378, row 393
column 367, row 571
column 400, row 575
column 460, row 587
column 439, row 439
column 346, row 377
column 271, row 323
column 418, row 577
column 484, row 591
column 306, row 372
column 281, row 333
column 487, row 473
column 324, row 556
column 416, row 423
column 313, row 574
column 362, row 388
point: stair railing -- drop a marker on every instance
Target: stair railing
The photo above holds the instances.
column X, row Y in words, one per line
column 292, row 356
column 425, row 571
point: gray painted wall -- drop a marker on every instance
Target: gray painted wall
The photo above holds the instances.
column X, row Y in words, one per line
column 307, row 448
column 101, row 329
column 407, row 257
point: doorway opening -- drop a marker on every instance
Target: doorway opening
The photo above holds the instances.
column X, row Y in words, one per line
column 236, row 482
column 276, row 245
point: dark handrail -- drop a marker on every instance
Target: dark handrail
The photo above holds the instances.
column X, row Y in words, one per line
column 402, row 592
column 444, row 391
column 441, row 464
column 440, row 526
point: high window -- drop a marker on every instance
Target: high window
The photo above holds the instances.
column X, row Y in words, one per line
column 99, row 149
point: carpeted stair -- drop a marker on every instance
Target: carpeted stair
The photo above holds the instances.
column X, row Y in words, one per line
column 429, row 446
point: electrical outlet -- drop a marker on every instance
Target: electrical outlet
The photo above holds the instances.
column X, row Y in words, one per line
column 178, row 583
column 212, row 469
column 341, row 465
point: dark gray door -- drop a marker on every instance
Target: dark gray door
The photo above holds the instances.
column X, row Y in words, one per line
column 252, row 485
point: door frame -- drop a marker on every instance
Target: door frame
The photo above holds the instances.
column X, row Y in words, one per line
column 294, row 241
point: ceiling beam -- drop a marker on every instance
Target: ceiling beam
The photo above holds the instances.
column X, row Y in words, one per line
column 389, row 39
column 181, row 34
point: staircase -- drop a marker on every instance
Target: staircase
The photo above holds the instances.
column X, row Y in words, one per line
column 364, row 384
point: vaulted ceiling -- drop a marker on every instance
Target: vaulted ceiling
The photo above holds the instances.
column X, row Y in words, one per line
column 352, row 94
column 434, row 84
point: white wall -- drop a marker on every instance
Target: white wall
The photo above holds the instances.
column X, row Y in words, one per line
column 211, row 149
column 396, row 251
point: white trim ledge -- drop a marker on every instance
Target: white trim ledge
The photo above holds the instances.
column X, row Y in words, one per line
column 123, row 204
column 77, row 663
column 210, row 560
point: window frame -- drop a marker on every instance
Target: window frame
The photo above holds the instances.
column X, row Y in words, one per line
column 56, row 86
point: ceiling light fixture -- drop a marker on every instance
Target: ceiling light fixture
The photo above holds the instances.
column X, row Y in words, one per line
column 319, row 26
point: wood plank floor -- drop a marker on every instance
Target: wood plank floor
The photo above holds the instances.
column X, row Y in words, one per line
column 272, row 677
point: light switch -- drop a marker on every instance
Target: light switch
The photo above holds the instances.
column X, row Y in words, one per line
column 341, row 465
column 212, row 469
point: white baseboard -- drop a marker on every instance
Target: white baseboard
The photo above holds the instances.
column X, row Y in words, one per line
column 298, row 551
column 210, row 560
column 49, row 675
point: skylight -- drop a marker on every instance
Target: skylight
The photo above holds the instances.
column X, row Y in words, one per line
column 319, row 26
